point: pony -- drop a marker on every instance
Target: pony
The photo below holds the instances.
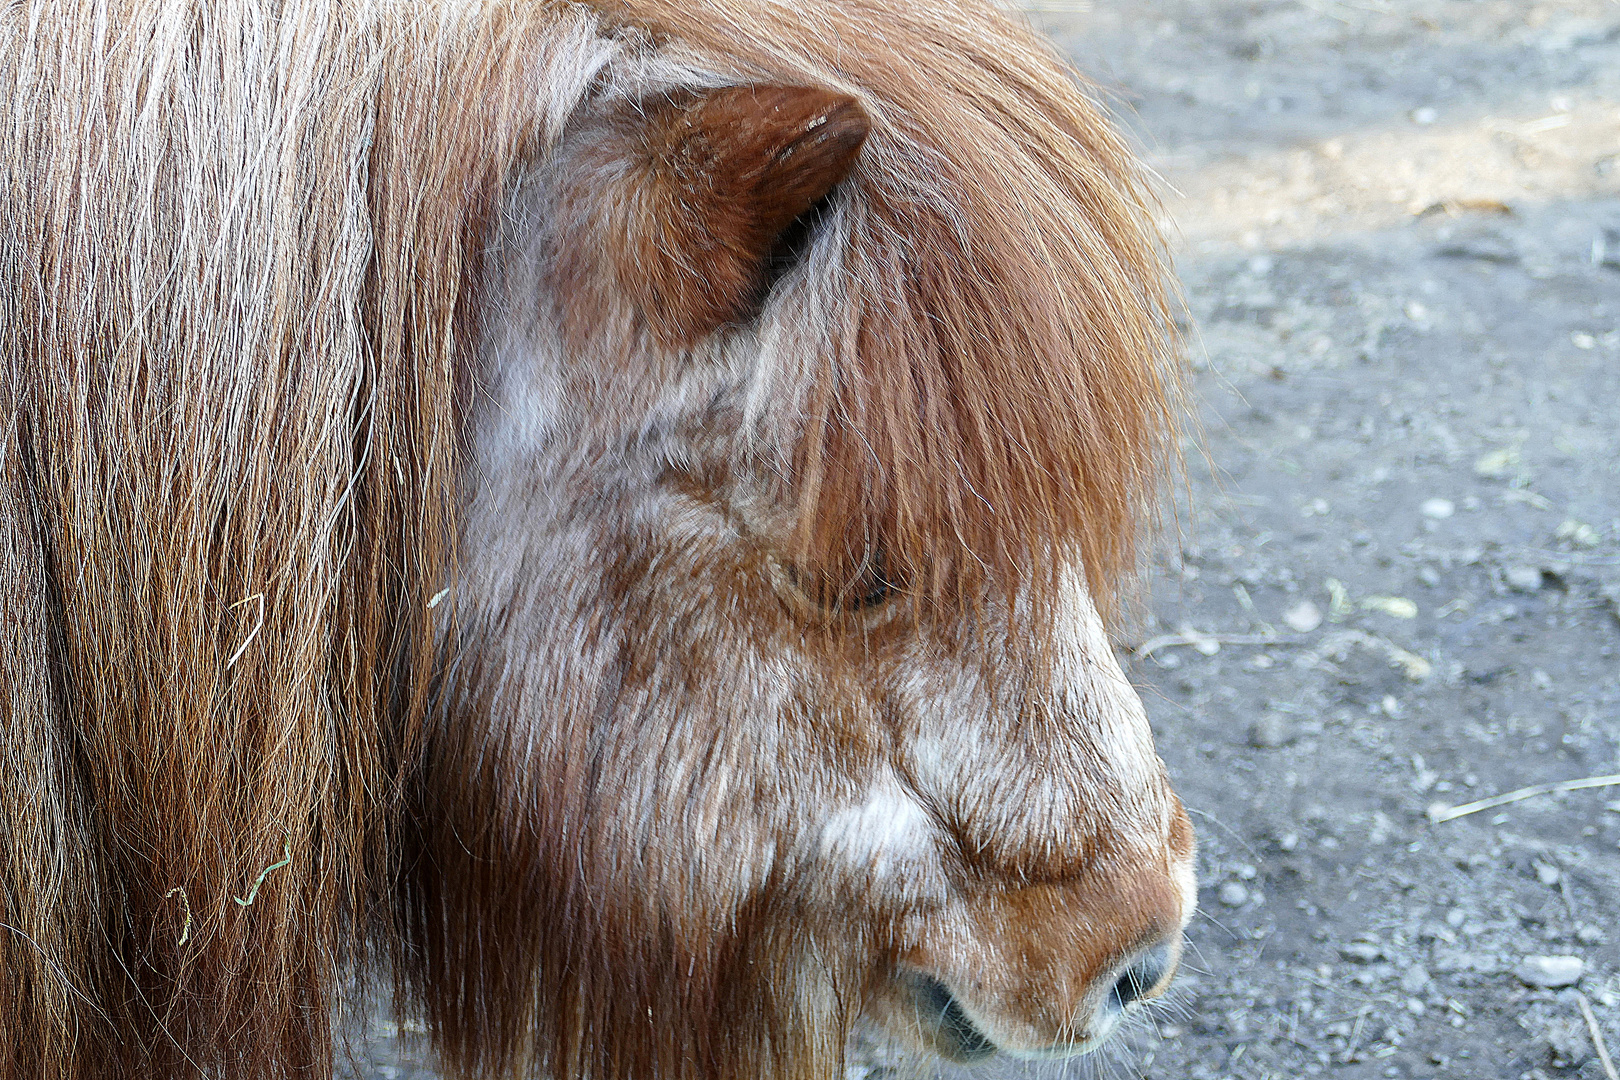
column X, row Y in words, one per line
column 602, row 517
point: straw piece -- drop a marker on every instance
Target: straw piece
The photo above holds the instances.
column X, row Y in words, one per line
column 1597, row 1035
column 1439, row 812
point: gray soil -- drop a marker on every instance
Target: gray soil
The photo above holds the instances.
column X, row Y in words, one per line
column 1397, row 583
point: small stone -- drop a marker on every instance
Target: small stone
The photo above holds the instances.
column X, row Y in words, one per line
column 1415, row 979
column 1425, row 115
column 1523, row 578
column 1271, row 731
column 1233, row 894
column 1550, row 972
column 1362, row 952
column 1303, row 617
column 1439, row 509
column 1582, row 340
column 1398, row 606
column 1578, row 533
column 1416, row 1007
column 1587, row 934
column 1496, row 463
column 1288, row 841
column 1547, row 874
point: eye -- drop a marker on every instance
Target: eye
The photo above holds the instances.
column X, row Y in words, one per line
column 871, row 586
column 876, row 588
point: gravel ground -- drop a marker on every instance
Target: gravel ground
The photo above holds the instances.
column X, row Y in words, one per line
column 1397, row 587
column 1398, row 584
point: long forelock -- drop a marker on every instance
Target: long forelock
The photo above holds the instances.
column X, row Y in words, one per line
column 997, row 394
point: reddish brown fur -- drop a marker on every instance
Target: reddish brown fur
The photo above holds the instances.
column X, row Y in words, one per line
column 200, row 455
column 720, row 176
column 250, row 267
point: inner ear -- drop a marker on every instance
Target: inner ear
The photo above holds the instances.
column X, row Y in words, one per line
column 713, row 191
column 794, row 241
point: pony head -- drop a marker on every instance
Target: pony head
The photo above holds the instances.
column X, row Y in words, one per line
column 821, row 395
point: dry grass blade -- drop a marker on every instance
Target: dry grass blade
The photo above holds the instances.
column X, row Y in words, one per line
column 185, row 928
column 1202, row 641
column 1597, row 1036
column 1439, row 813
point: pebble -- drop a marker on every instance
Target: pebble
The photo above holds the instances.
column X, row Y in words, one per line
column 1578, row 533
column 1550, row 972
column 1271, row 731
column 1398, row 606
column 1233, row 894
column 1523, row 578
column 1415, row 979
column 1496, row 463
column 1547, row 874
column 1303, row 617
column 1362, row 952
column 1439, row 509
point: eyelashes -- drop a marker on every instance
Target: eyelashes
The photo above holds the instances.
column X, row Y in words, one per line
column 870, row 587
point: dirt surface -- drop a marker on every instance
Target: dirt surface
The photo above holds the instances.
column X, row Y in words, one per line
column 1399, row 236
column 1397, row 587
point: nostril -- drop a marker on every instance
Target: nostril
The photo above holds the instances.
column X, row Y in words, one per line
column 957, row 1037
column 1141, row 977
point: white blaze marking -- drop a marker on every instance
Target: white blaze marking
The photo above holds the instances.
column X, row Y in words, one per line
column 889, row 827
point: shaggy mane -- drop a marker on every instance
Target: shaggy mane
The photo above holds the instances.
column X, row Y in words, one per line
column 236, row 261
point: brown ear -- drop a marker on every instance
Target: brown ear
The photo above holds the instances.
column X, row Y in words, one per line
column 705, row 186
